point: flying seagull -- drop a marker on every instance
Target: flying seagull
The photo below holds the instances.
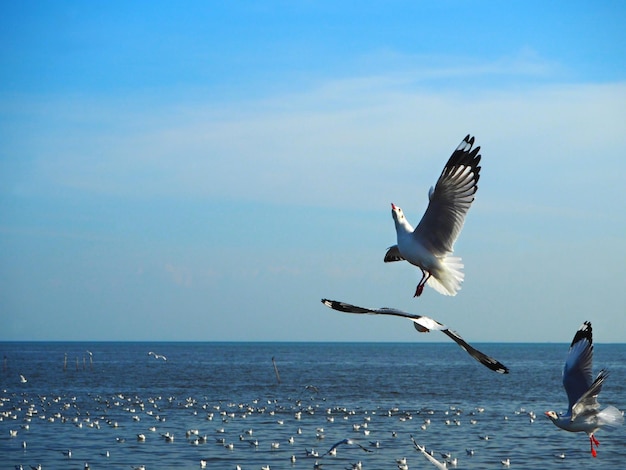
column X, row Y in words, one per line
column 583, row 413
column 346, row 442
column 157, row 356
column 433, row 460
column 431, row 243
column 422, row 324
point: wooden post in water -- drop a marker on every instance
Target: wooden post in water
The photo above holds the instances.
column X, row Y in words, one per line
column 276, row 369
column 65, row 362
column 76, row 362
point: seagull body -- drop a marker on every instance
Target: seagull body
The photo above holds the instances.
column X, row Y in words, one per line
column 422, row 324
column 431, row 243
column 584, row 414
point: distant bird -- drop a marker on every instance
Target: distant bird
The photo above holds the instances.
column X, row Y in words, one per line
column 583, row 413
column 506, row 462
column 157, row 356
column 422, row 324
column 23, row 379
column 431, row 243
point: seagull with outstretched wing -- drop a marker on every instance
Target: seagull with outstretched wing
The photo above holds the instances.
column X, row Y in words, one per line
column 583, row 413
column 423, row 324
column 431, row 243
column 346, row 442
column 431, row 459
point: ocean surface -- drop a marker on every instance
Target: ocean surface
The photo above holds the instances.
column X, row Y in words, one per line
column 210, row 395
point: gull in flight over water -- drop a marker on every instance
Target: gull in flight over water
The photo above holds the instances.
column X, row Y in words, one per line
column 583, row 413
column 157, row 356
column 422, row 324
column 433, row 460
column 346, row 442
column 431, row 243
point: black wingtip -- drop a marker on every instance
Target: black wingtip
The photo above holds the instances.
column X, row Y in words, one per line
column 583, row 333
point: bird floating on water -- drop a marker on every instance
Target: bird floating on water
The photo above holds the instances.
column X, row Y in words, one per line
column 422, row 324
column 431, row 243
column 583, row 413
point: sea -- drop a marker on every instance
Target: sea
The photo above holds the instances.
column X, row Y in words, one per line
column 284, row 405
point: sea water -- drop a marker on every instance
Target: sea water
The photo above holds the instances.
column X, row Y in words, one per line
column 93, row 399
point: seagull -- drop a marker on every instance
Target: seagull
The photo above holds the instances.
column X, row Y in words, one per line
column 433, row 460
column 157, row 356
column 422, row 324
column 23, row 379
column 431, row 243
column 346, row 442
column 583, row 413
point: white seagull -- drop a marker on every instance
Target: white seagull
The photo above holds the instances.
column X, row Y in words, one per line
column 433, row 460
column 431, row 243
column 346, row 442
column 157, row 356
column 583, row 413
column 422, row 324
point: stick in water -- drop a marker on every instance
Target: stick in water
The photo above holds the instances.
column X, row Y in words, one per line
column 276, row 369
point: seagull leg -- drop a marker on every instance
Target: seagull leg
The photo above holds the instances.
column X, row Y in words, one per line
column 592, row 441
column 422, row 283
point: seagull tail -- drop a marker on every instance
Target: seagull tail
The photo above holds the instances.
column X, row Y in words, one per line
column 447, row 280
column 610, row 418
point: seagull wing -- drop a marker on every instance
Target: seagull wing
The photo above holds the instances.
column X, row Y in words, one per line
column 589, row 400
column 335, row 445
column 393, row 254
column 577, row 378
column 450, row 200
column 485, row 360
column 422, row 324
column 363, row 448
column 432, row 459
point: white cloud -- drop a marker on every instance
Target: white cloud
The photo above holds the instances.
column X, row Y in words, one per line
column 342, row 143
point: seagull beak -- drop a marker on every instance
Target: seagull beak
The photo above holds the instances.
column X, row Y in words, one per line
column 393, row 206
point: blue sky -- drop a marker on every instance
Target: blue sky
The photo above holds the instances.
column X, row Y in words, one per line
column 210, row 171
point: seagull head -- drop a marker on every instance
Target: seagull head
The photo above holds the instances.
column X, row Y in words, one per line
column 396, row 212
column 552, row 415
